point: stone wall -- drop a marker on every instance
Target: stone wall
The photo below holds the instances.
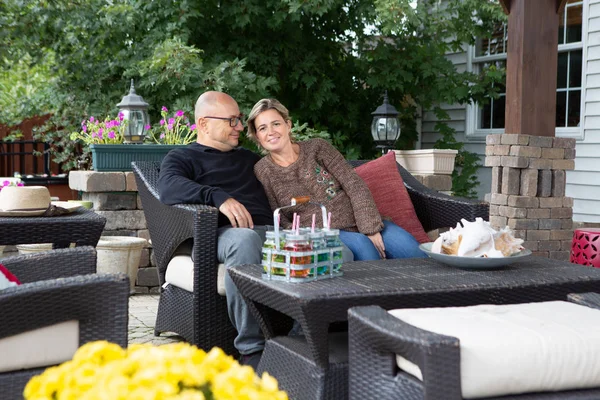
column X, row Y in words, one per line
column 528, row 190
column 114, row 195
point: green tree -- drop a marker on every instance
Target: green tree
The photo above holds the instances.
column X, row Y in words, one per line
column 328, row 61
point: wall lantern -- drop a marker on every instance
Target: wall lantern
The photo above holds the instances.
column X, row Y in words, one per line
column 135, row 111
column 385, row 127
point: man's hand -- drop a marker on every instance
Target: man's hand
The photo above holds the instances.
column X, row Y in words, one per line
column 237, row 214
column 378, row 243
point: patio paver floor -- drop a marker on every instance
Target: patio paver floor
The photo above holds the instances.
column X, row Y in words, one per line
column 142, row 316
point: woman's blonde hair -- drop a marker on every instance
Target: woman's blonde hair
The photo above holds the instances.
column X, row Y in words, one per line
column 261, row 106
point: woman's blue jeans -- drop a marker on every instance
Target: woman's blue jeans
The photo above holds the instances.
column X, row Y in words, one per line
column 398, row 244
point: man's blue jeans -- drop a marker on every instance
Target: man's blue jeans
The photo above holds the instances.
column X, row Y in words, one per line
column 237, row 246
column 398, row 244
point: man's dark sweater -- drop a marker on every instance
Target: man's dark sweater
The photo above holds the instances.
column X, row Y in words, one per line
column 200, row 174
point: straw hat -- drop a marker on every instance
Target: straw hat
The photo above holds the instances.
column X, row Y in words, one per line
column 24, row 201
column 32, row 201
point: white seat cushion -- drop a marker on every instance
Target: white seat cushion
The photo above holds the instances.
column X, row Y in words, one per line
column 180, row 273
column 520, row 348
column 41, row 347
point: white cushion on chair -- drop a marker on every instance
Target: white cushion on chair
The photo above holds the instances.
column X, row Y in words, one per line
column 519, row 348
column 40, row 347
column 180, row 273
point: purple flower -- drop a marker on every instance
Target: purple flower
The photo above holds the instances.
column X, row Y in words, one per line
column 164, row 109
column 94, row 134
column 121, row 116
column 179, row 113
column 193, row 127
column 91, row 119
column 84, row 128
column 111, row 134
column 147, row 127
column 100, row 132
column 6, row 183
column 162, row 122
column 170, row 127
column 109, row 124
column 116, row 122
column 162, row 135
column 20, row 184
column 171, row 121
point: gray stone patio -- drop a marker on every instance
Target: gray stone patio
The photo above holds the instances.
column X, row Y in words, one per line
column 142, row 316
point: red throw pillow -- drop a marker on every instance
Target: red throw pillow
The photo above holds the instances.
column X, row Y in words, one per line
column 390, row 194
column 7, row 279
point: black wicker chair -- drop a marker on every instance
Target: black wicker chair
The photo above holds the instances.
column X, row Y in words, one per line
column 375, row 337
column 201, row 317
column 58, row 286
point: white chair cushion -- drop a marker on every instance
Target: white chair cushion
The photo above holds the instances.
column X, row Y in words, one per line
column 41, row 347
column 180, row 273
column 520, row 348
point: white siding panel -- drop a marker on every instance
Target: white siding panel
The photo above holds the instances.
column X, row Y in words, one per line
column 588, row 164
column 588, row 150
column 595, row 10
column 593, row 67
column 594, row 25
column 592, row 108
column 429, row 126
column 593, row 80
column 593, row 53
column 459, row 114
column 592, row 94
column 584, row 192
column 592, row 136
column 581, row 177
column 457, row 58
column 586, row 210
column 592, row 122
column 593, row 39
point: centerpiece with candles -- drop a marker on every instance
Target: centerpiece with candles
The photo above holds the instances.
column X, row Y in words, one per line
column 302, row 254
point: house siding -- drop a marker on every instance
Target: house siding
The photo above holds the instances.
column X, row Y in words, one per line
column 457, row 120
column 583, row 184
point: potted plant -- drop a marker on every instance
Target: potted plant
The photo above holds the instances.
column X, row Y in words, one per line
column 106, row 140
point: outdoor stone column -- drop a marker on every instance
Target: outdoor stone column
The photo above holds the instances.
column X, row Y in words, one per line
column 114, row 195
column 528, row 190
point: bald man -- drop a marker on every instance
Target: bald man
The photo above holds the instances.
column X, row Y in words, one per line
column 215, row 172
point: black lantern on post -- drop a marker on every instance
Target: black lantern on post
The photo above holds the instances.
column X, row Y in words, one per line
column 385, row 127
column 135, row 112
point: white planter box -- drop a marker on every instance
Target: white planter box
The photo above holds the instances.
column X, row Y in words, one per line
column 427, row 162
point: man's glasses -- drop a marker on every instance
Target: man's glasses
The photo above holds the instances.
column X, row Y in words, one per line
column 233, row 121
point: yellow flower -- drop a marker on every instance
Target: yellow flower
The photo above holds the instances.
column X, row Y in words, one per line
column 103, row 371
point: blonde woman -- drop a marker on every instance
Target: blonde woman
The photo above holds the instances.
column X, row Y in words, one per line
column 315, row 168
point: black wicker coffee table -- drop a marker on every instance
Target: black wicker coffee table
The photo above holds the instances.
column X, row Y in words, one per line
column 83, row 228
column 315, row 365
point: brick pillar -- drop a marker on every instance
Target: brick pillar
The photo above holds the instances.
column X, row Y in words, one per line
column 528, row 190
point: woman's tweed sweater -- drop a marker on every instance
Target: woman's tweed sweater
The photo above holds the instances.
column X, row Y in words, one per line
column 322, row 173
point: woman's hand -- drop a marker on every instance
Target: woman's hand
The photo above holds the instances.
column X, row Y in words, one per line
column 378, row 243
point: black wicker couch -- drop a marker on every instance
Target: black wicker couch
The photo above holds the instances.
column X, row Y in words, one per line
column 201, row 317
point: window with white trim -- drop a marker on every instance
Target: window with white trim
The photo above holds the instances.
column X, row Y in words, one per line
column 483, row 119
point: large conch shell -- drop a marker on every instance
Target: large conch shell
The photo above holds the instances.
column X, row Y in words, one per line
column 477, row 239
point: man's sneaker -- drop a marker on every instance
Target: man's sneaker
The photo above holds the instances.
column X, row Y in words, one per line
column 251, row 359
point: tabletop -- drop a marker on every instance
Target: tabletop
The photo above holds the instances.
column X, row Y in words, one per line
column 406, row 283
column 83, row 227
